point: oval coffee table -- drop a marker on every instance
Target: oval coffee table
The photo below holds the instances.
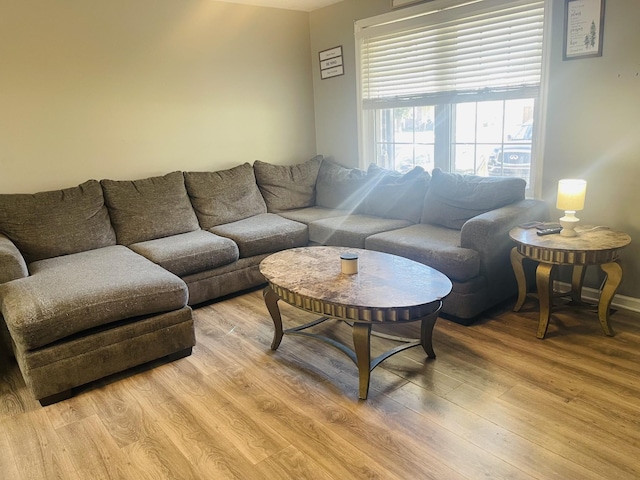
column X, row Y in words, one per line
column 387, row 289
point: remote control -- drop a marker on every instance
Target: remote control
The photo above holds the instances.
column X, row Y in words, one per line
column 549, row 231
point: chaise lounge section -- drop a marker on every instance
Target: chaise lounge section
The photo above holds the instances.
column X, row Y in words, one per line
column 81, row 307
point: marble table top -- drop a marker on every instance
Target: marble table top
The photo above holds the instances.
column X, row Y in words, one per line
column 592, row 245
column 383, row 281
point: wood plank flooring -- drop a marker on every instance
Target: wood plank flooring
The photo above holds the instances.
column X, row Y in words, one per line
column 496, row 403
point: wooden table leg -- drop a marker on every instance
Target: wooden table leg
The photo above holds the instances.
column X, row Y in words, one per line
column 518, row 270
column 614, row 278
column 544, row 284
column 271, row 301
column 362, row 348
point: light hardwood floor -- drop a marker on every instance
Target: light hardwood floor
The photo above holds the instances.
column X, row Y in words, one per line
column 495, row 403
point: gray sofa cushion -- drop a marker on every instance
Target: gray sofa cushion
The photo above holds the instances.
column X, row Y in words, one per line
column 149, row 208
column 311, row 214
column 264, row 233
column 394, row 195
column 432, row 245
column 452, row 198
column 71, row 294
column 59, row 222
column 189, row 252
column 224, row 196
column 350, row 230
column 341, row 188
column 285, row 187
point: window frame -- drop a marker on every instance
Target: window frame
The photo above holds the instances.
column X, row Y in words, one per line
column 366, row 117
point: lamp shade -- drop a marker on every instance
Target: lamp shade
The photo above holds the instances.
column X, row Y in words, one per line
column 571, row 193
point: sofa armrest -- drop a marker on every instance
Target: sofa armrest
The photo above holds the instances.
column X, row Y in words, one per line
column 12, row 264
column 483, row 231
column 488, row 234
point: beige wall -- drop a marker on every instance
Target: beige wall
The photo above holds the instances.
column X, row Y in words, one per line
column 131, row 88
column 593, row 117
column 335, row 98
column 593, row 129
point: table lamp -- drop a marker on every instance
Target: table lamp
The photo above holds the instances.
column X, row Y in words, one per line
column 571, row 193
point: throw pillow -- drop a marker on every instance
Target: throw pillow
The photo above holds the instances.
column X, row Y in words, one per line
column 224, row 196
column 285, row 187
column 341, row 188
column 394, row 195
column 149, row 208
column 59, row 222
column 452, row 198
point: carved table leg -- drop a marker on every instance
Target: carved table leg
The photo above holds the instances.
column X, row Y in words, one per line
column 614, row 277
column 577, row 279
column 518, row 270
column 271, row 301
column 362, row 348
column 544, row 284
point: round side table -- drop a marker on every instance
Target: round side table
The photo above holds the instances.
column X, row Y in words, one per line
column 593, row 246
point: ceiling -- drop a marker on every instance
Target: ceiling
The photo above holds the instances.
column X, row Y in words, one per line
column 304, row 5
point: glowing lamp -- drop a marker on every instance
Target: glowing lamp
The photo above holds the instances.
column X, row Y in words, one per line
column 571, row 193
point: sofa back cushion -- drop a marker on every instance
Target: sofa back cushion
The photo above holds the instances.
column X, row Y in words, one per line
column 394, row 195
column 59, row 222
column 341, row 188
column 149, row 208
column 286, row 187
column 452, row 198
column 224, row 196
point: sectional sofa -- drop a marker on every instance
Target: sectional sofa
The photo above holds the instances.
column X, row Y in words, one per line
column 101, row 277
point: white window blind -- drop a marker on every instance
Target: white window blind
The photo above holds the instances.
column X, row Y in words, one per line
column 451, row 54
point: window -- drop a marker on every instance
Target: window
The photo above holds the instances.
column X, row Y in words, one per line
column 405, row 137
column 452, row 84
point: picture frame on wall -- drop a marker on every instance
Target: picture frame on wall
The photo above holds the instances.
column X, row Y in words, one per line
column 331, row 63
column 583, row 29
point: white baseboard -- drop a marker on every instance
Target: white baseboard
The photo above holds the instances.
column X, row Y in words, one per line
column 619, row 301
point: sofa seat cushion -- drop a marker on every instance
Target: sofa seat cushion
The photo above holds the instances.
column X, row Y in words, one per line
column 434, row 246
column 224, row 196
column 311, row 214
column 350, row 230
column 264, row 233
column 149, row 208
column 189, row 253
column 285, row 187
column 74, row 293
column 59, row 222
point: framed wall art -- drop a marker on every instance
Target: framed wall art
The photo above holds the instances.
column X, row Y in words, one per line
column 583, row 28
column 331, row 63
